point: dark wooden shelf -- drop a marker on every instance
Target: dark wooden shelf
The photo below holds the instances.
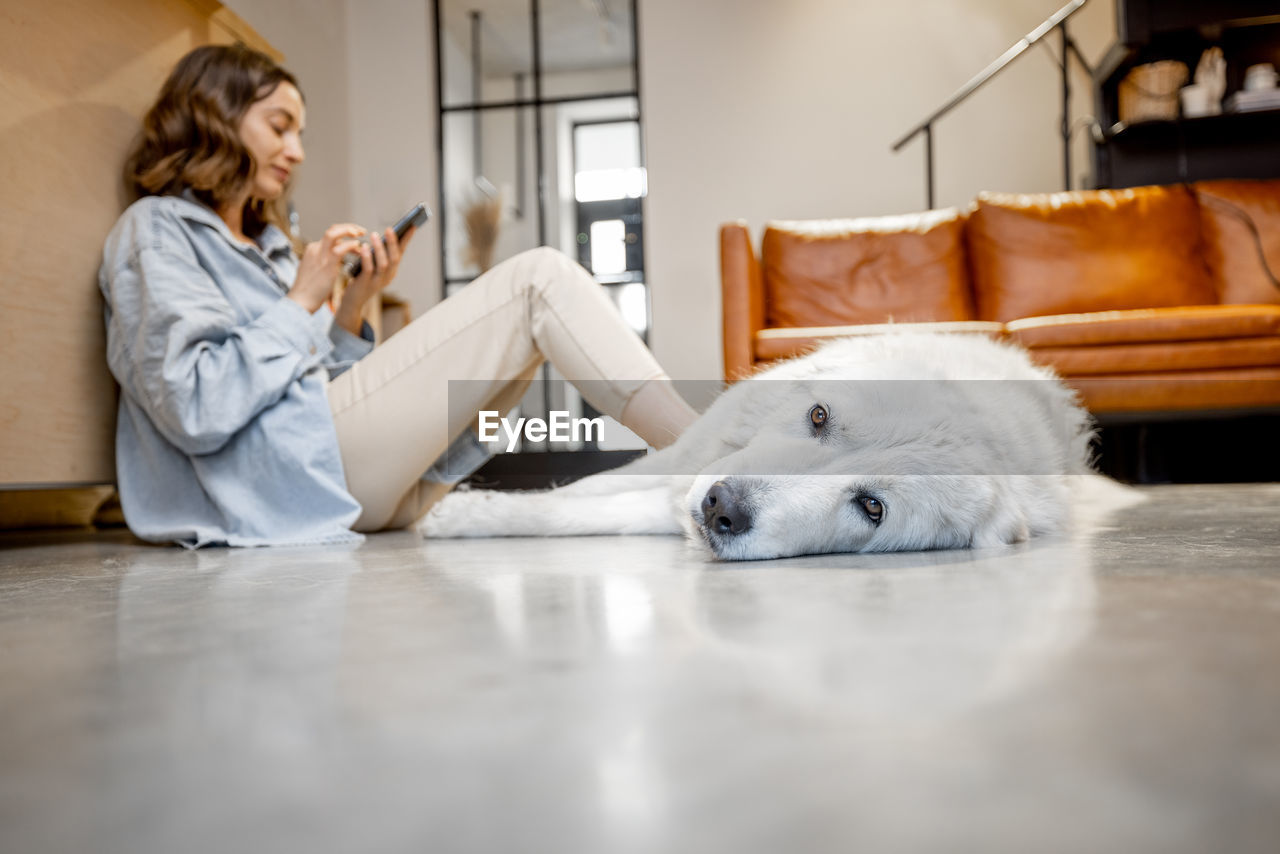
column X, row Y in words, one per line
column 1223, row 123
column 1231, row 145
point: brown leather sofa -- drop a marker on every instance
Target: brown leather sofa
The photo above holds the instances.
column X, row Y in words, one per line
column 1147, row 300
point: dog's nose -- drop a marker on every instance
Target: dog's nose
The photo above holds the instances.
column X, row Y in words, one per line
column 723, row 512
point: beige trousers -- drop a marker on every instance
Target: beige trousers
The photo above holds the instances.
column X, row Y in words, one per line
column 396, row 411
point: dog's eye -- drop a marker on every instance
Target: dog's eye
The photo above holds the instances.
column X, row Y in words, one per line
column 872, row 507
column 818, row 415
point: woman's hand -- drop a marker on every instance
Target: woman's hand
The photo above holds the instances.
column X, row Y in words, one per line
column 379, row 261
column 321, row 265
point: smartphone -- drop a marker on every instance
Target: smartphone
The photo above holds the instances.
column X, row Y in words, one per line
column 413, row 218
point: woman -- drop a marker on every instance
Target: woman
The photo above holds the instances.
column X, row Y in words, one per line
column 254, row 412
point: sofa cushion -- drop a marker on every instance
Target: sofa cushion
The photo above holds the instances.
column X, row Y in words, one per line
column 1056, row 253
column 1230, row 247
column 1156, row 358
column 1144, row 326
column 1179, row 391
column 901, row 268
column 792, row 341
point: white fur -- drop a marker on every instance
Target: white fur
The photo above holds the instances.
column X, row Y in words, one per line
column 963, row 440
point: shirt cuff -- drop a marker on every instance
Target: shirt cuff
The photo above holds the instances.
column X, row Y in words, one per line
column 294, row 324
column 348, row 347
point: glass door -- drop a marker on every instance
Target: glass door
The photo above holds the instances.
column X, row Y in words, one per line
column 539, row 145
column 609, row 183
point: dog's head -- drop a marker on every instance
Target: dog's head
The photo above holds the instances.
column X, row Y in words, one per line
column 882, row 467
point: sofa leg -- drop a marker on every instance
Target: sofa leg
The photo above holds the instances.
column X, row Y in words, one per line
column 1200, row 450
column 1150, row 456
column 1131, row 453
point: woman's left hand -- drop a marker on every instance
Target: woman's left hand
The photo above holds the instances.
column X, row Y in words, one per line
column 379, row 262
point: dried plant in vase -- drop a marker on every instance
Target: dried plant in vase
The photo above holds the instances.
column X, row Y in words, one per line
column 482, row 217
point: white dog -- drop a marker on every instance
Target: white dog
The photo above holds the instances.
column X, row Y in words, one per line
column 892, row 442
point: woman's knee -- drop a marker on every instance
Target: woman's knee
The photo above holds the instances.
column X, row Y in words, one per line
column 551, row 269
column 532, row 273
column 547, row 264
column 546, row 256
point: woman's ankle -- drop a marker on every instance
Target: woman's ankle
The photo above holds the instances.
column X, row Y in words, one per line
column 657, row 413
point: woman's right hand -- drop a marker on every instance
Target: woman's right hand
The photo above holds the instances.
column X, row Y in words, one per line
column 321, row 264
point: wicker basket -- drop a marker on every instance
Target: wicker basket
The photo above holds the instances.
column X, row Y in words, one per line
column 1150, row 92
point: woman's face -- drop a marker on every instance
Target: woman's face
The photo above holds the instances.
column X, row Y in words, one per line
column 271, row 131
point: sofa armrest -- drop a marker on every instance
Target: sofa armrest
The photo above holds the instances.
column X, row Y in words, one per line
column 742, row 299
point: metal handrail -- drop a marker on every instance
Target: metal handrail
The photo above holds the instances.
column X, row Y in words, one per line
column 1058, row 20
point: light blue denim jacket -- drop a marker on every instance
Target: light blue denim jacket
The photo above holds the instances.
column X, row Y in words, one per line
column 224, row 431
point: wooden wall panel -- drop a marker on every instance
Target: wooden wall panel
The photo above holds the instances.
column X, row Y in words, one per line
column 75, row 78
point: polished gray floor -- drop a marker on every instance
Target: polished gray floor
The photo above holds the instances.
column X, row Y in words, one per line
column 1118, row 690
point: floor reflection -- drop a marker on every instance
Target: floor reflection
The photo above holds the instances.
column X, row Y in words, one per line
column 875, row 637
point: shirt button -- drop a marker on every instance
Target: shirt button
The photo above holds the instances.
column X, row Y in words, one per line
column 313, row 349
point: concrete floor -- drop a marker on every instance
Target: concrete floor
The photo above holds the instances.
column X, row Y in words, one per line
column 1118, row 690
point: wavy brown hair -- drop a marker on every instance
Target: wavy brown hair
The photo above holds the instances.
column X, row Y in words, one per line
column 190, row 137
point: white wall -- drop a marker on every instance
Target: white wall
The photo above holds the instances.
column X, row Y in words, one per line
column 759, row 110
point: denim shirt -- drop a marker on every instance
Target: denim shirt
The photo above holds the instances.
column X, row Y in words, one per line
column 224, row 432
